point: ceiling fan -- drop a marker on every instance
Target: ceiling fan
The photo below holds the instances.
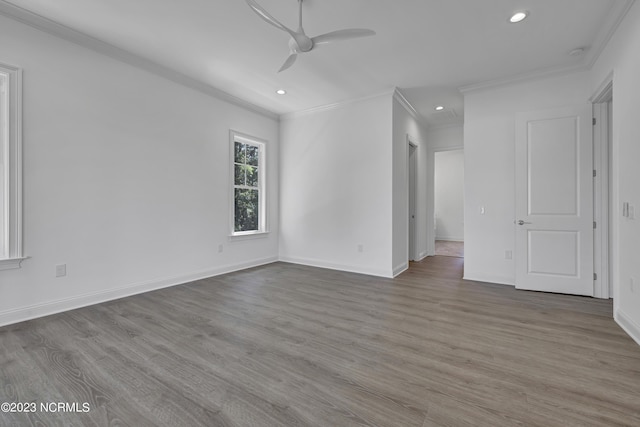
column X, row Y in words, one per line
column 300, row 42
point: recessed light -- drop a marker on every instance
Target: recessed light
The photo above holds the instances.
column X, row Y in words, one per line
column 439, row 108
column 281, row 92
column 518, row 17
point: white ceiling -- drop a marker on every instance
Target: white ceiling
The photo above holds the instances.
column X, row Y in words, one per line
column 426, row 48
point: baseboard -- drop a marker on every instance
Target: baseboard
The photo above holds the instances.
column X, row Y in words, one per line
column 333, row 266
column 628, row 325
column 489, row 278
column 45, row 309
column 451, row 239
column 422, row 255
column 400, row 269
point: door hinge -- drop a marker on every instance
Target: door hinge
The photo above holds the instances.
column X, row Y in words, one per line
column 595, row 276
column 594, row 173
column 594, row 121
column 595, row 225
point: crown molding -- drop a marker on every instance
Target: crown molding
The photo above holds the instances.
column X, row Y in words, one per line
column 612, row 24
column 522, row 78
column 56, row 29
column 336, row 105
column 402, row 100
column 607, row 31
column 394, row 93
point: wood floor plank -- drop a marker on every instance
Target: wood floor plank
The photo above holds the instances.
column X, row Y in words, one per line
column 289, row 345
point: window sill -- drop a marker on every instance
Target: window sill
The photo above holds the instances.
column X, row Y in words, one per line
column 11, row 263
column 249, row 235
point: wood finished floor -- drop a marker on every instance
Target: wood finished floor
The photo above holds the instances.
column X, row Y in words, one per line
column 449, row 248
column 287, row 345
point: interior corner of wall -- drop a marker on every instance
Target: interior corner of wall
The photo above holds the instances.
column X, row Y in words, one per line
column 627, row 324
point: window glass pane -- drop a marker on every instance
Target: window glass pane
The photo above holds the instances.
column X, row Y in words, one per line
column 239, row 180
column 246, row 210
column 240, row 150
column 252, row 176
column 252, row 155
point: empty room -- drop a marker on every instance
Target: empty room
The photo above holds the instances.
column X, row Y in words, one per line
column 232, row 213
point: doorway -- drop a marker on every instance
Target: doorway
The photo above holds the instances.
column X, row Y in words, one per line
column 413, row 176
column 604, row 257
column 449, row 203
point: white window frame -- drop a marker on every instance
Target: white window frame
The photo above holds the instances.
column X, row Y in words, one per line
column 11, row 167
column 263, row 228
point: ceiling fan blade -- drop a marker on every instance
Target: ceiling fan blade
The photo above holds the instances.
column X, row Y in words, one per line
column 262, row 13
column 340, row 35
column 289, row 62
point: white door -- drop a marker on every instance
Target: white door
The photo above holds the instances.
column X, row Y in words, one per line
column 554, row 201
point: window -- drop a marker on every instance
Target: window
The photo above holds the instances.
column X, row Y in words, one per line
column 10, row 168
column 248, row 178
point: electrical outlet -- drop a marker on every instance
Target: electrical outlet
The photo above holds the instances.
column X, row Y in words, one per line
column 220, row 249
column 508, row 254
column 61, row 270
column 360, row 247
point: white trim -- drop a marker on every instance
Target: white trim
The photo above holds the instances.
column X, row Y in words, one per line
column 248, row 235
column 13, row 152
column 488, row 278
column 45, row 309
column 604, row 92
column 399, row 96
column 412, row 143
column 422, row 255
column 607, row 30
column 451, row 239
column 11, row 263
column 333, row 266
column 336, row 105
column 404, row 102
column 604, row 196
column 522, row 78
column 628, row 325
column 601, row 200
column 54, row 28
column 263, row 194
column 451, row 148
column 399, row 269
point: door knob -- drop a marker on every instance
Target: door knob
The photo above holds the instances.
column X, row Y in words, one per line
column 521, row 222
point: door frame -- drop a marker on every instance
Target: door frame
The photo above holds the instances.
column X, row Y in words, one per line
column 412, row 183
column 604, row 258
column 431, row 203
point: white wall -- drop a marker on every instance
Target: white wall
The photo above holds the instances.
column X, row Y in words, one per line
column 335, row 177
column 405, row 125
column 445, row 138
column 621, row 57
column 449, row 195
column 489, row 135
column 125, row 179
column 438, row 139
